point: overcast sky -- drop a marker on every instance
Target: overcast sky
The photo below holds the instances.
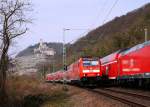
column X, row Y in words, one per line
column 51, row 16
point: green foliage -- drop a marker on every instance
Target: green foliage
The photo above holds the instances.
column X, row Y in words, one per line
column 122, row 32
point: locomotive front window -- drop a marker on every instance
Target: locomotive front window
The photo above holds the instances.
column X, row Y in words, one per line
column 86, row 63
column 94, row 63
column 90, row 63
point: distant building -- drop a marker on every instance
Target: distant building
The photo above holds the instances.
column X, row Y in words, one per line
column 28, row 64
column 43, row 49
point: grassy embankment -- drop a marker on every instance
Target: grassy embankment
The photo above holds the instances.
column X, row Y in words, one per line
column 30, row 92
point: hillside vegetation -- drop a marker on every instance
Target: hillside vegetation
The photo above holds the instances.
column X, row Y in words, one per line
column 121, row 32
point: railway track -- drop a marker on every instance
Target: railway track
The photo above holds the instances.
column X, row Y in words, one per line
column 131, row 99
column 145, row 97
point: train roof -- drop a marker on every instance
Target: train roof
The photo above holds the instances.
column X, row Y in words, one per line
column 136, row 47
column 90, row 58
column 113, row 56
column 110, row 57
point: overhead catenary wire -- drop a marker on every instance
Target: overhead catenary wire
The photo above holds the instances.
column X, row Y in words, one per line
column 105, row 19
column 103, row 22
column 91, row 25
column 100, row 11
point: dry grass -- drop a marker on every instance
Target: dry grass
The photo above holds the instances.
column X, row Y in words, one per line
column 30, row 92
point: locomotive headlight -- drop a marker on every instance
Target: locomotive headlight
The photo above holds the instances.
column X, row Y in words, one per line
column 96, row 70
column 147, row 73
column 85, row 71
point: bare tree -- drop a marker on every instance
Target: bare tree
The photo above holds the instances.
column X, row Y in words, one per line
column 13, row 20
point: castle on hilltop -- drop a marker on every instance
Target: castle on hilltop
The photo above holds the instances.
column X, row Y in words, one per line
column 43, row 49
column 28, row 64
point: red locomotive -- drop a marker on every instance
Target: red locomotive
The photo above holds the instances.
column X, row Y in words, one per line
column 86, row 69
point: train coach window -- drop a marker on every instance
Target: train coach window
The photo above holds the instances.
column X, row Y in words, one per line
column 140, row 46
column 133, row 49
column 146, row 43
column 130, row 50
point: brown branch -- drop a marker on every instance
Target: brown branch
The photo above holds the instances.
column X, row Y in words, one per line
column 2, row 12
column 18, row 34
column 16, row 21
column 1, row 31
column 17, row 6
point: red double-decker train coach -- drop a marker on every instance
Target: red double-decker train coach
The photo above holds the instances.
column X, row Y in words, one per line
column 49, row 77
column 84, row 70
column 110, row 65
column 132, row 63
column 56, row 76
column 135, row 62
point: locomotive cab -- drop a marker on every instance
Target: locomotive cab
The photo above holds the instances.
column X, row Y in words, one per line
column 90, row 69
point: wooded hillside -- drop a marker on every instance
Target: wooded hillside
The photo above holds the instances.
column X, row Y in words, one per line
column 121, row 32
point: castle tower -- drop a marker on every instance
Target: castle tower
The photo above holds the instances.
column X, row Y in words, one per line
column 43, row 49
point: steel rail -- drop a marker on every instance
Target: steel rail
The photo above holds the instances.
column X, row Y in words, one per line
column 117, row 98
column 130, row 94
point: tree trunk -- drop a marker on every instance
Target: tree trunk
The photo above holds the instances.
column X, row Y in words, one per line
column 3, row 70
